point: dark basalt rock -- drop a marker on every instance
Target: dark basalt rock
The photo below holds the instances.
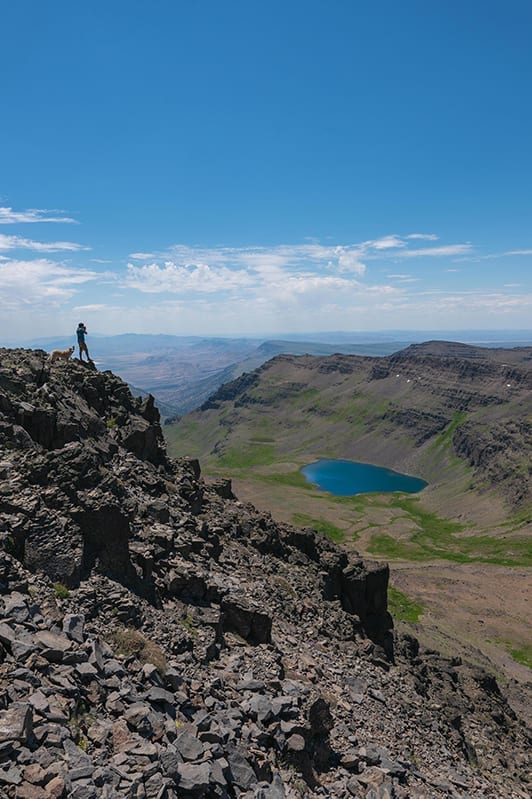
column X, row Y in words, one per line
column 191, row 645
column 252, row 624
column 231, row 390
column 423, row 425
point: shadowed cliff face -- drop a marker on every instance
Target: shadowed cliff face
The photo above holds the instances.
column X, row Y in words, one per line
column 202, row 649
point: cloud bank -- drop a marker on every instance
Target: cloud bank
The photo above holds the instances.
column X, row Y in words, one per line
column 391, row 281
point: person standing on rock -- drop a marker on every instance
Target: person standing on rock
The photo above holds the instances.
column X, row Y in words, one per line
column 81, row 332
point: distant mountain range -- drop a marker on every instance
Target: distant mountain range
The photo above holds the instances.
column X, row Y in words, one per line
column 183, row 371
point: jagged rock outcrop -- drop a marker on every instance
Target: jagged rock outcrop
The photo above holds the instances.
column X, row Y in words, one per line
column 231, row 390
column 160, row 639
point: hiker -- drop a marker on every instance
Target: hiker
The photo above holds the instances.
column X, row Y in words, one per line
column 81, row 332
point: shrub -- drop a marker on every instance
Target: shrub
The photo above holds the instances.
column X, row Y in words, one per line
column 128, row 641
column 61, row 591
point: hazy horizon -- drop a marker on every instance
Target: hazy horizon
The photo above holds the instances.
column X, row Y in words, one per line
column 487, row 335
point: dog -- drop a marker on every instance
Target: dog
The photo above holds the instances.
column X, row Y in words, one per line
column 60, row 355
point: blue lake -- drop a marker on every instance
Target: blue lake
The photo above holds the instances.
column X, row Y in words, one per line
column 347, row 478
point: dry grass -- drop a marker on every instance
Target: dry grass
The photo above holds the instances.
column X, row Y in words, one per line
column 128, row 641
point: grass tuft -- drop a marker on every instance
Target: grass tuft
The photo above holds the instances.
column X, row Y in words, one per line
column 258, row 454
column 128, row 641
column 320, row 525
column 402, row 607
column 445, row 438
column 523, row 655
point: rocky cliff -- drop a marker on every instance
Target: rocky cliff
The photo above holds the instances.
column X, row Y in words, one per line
column 160, row 639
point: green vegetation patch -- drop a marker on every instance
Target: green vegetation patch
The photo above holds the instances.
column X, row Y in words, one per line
column 255, row 454
column 360, row 502
column 188, row 624
column 437, row 538
column 61, row 591
column 293, row 479
column 523, row 655
column 285, row 587
column 320, row 525
column 360, row 411
column 402, row 607
column 520, row 519
column 445, row 438
column 302, row 397
column 385, row 546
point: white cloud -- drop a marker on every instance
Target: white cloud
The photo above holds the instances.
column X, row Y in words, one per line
column 10, row 217
column 97, row 307
column 495, row 255
column 493, row 302
column 404, row 278
column 259, row 263
column 20, row 243
column 25, row 283
column 268, row 264
column 306, row 286
column 386, row 243
column 175, row 279
column 292, row 279
column 142, row 256
column 437, row 252
column 349, row 261
column 425, row 236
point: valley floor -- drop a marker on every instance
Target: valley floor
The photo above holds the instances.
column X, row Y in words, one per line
column 482, row 608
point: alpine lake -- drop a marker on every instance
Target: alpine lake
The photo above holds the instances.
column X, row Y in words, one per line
column 348, row 478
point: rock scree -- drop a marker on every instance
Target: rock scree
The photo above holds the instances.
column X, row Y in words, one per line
column 160, row 639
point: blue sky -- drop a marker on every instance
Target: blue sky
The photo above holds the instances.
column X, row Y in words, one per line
column 254, row 167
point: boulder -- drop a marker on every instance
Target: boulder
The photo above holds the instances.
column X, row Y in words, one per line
column 16, row 723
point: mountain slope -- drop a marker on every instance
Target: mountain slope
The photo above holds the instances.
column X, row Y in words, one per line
column 158, row 638
column 462, row 422
column 458, row 416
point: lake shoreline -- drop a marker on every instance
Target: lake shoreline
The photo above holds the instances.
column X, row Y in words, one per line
column 345, row 478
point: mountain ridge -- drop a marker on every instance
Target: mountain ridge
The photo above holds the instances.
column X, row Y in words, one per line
column 408, row 411
column 182, row 371
column 185, row 648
